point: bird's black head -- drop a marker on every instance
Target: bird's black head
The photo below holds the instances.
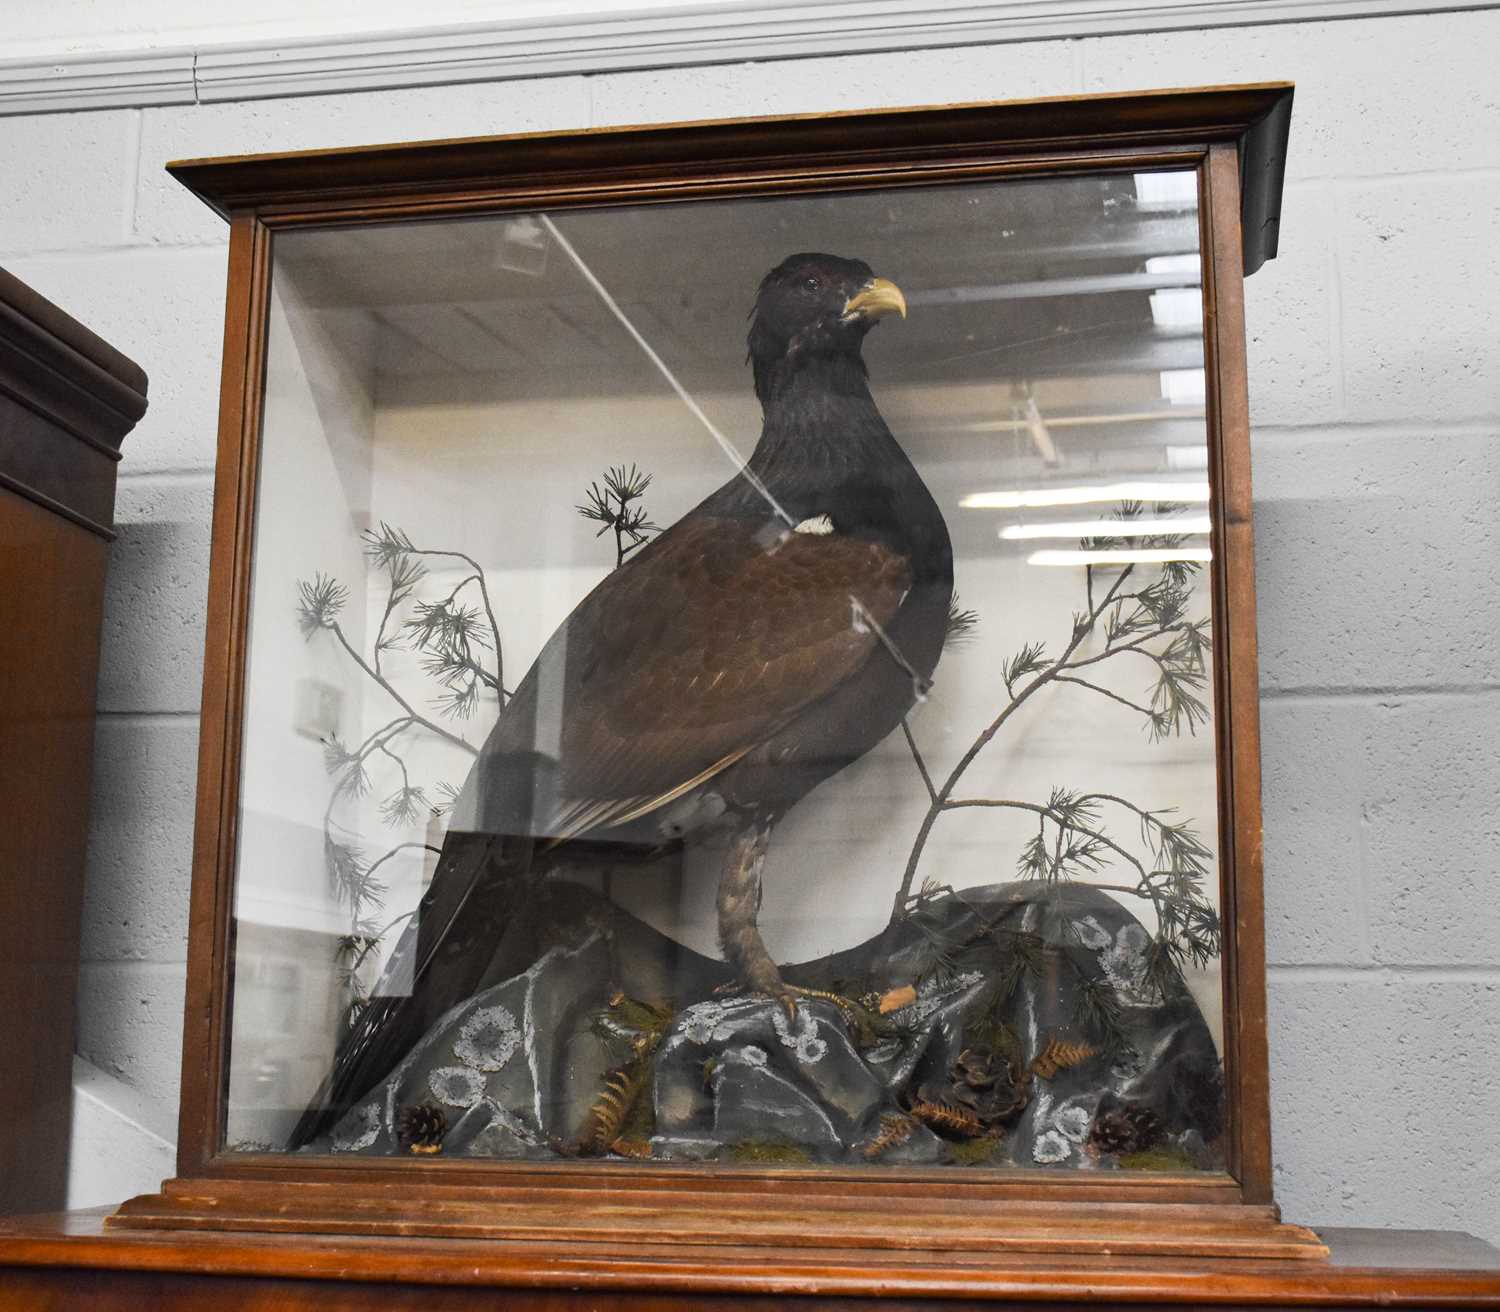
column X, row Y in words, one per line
column 813, row 307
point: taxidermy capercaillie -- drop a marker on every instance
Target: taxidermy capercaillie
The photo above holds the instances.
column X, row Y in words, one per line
column 774, row 634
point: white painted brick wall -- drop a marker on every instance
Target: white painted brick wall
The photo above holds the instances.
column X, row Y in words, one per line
column 1375, row 392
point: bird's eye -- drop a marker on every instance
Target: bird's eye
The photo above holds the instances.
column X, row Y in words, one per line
column 810, row 284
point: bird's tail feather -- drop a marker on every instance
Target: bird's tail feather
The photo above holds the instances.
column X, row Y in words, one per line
column 443, row 959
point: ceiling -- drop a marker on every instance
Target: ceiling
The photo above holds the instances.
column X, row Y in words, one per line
column 1023, row 294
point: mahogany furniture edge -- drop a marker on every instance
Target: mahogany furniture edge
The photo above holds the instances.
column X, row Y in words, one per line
column 67, row 400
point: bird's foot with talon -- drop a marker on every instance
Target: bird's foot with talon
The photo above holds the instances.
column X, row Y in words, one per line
column 781, row 993
column 787, row 994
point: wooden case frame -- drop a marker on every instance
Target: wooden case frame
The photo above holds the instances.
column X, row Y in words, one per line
column 1234, row 138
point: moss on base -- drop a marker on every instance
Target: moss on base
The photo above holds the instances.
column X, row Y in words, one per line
column 975, row 1152
column 768, row 1150
column 1157, row 1159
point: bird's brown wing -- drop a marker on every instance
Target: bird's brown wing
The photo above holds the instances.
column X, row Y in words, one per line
column 701, row 649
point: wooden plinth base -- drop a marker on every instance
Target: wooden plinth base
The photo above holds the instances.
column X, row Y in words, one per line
column 716, row 1217
column 71, row 1261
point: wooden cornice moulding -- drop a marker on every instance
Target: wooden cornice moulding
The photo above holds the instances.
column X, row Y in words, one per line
column 59, row 381
column 859, row 144
column 294, row 64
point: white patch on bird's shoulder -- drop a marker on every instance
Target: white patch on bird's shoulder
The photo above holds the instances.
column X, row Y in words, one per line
column 820, row 526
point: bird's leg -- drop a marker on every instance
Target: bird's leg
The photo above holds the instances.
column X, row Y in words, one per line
column 739, row 936
column 739, row 904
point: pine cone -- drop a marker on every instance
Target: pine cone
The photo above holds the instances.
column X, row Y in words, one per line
column 421, row 1128
column 981, row 1080
column 1125, row 1130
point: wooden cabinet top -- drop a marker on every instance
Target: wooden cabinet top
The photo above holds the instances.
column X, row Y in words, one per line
column 67, row 400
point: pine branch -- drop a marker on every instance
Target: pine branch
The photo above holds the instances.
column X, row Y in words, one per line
column 957, row 804
column 1033, row 863
column 388, row 546
column 348, row 768
column 1175, row 703
column 404, row 575
column 319, row 603
column 1105, row 692
column 1079, row 849
column 916, row 756
column 403, row 807
column 352, row 876
column 459, row 700
column 1096, row 1008
column 372, row 938
column 440, row 625
column 961, row 626
column 395, row 695
column 1078, row 846
column 1137, row 645
column 613, row 507
column 402, row 847
column 935, row 807
column 1031, row 659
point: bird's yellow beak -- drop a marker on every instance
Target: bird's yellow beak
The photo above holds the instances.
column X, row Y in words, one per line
column 878, row 297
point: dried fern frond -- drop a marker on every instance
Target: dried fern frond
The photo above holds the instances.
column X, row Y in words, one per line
column 947, row 1118
column 894, row 1129
column 1061, row 1055
column 606, row 1116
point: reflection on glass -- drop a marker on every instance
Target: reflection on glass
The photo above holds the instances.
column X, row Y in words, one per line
column 602, row 797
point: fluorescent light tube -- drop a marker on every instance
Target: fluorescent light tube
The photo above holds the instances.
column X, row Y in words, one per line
column 1183, row 386
column 1186, row 263
column 1106, row 528
column 1167, row 191
column 1188, row 457
column 1122, row 556
column 1080, row 496
column 1177, row 307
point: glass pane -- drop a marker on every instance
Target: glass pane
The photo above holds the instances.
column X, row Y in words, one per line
column 603, row 796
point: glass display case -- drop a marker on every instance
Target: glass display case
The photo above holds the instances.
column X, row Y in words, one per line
column 731, row 678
